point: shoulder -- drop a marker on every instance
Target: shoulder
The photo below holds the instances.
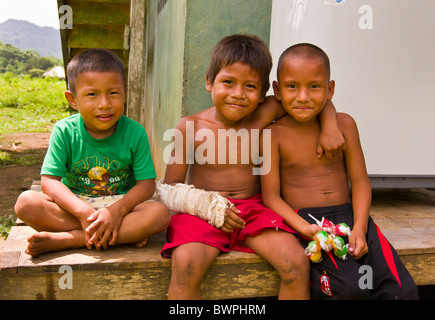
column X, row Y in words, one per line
column 279, row 124
column 345, row 121
column 70, row 121
column 68, row 125
column 130, row 123
column 205, row 115
column 267, row 111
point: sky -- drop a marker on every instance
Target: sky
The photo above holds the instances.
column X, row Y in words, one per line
column 40, row 12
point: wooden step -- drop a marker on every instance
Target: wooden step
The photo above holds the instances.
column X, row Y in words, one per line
column 407, row 219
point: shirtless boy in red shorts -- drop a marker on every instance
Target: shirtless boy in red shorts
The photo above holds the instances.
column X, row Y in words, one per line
column 238, row 79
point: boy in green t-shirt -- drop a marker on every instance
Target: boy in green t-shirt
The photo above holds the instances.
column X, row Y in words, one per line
column 98, row 175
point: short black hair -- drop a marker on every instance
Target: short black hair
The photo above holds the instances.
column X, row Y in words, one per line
column 93, row 60
column 249, row 49
column 307, row 50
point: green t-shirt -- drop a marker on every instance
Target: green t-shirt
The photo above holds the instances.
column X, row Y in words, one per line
column 98, row 167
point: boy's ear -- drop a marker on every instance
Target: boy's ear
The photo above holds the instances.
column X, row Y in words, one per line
column 71, row 99
column 208, row 84
column 276, row 90
column 331, row 89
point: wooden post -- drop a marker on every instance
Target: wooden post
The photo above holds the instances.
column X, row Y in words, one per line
column 137, row 65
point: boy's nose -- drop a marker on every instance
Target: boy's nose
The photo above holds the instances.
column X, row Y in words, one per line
column 104, row 102
column 238, row 92
column 303, row 95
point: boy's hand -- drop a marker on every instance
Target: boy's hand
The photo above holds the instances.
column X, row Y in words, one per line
column 232, row 220
column 85, row 224
column 311, row 230
column 331, row 143
column 104, row 228
column 357, row 244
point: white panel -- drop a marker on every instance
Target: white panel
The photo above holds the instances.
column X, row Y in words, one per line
column 385, row 76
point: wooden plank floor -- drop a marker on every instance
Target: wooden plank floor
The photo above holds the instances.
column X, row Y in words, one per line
column 407, row 218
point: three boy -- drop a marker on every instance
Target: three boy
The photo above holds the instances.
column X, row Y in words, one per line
column 238, row 80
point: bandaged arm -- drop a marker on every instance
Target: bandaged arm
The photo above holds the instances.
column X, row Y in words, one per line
column 207, row 205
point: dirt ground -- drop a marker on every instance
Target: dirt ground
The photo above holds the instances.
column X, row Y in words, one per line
column 14, row 179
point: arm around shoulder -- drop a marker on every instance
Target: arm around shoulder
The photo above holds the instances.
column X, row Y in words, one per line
column 356, row 167
column 176, row 168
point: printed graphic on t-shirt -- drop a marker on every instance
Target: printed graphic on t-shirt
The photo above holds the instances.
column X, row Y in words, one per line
column 99, row 176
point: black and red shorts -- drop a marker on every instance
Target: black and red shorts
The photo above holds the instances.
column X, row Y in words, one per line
column 379, row 274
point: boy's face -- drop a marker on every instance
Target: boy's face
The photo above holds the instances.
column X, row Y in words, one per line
column 99, row 98
column 236, row 91
column 303, row 87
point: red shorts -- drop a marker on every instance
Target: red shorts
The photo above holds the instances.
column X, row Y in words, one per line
column 185, row 228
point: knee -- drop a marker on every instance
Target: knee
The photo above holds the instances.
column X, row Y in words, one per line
column 294, row 267
column 156, row 214
column 185, row 266
column 163, row 214
column 25, row 204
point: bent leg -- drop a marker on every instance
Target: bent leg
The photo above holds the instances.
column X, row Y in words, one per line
column 147, row 219
column 190, row 263
column 40, row 212
column 283, row 251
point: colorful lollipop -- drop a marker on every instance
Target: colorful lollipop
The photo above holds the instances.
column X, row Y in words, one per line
column 324, row 240
column 313, row 251
column 342, row 230
column 328, row 226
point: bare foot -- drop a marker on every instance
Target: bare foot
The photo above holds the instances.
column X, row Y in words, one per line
column 43, row 242
column 141, row 244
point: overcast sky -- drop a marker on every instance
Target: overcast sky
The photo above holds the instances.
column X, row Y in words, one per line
column 41, row 12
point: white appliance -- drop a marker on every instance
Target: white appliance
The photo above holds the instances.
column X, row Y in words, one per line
column 382, row 56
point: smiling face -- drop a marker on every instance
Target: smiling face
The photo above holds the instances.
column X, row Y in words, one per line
column 236, row 92
column 303, row 87
column 99, row 97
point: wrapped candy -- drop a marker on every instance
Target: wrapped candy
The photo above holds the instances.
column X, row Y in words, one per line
column 330, row 238
column 341, row 253
column 324, row 239
column 315, row 257
column 313, row 251
column 338, row 243
column 342, row 230
column 328, row 226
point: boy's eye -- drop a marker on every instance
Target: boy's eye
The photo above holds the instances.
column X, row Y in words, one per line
column 251, row 86
column 91, row 94
column 292, row 86
column 227, row 82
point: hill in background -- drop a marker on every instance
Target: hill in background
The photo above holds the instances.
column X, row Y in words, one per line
column 28, row 36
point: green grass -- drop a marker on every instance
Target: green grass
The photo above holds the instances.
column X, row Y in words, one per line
column 30, row 104
column 27, row 105
column 6, row 223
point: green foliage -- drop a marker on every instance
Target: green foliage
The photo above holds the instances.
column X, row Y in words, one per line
column 6, row 223
column 30, row 104
column 18, row 61
column 21, row 159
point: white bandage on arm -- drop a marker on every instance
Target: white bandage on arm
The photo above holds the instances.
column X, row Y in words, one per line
column 207, row 205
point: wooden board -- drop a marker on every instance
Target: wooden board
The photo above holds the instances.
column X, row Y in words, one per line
column 125, row 272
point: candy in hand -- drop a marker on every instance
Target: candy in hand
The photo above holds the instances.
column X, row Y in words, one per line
column 342, row 230
column 313, row 251
column 324, row 239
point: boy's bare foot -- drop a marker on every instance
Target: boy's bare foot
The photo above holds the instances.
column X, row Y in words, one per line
column 43, row 242
column 141, row 244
